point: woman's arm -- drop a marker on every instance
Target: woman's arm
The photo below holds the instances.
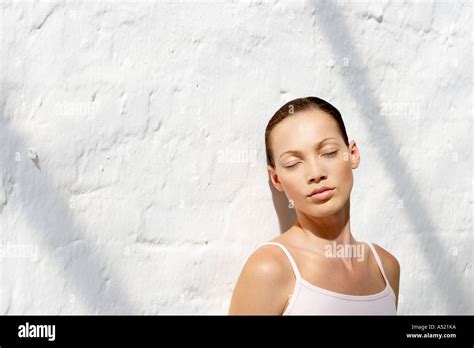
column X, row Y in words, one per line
column 391, row 267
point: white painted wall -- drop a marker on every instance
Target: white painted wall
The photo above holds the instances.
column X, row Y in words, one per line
column 132, row 161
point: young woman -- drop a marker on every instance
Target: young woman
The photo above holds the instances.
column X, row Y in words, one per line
column 317, row 266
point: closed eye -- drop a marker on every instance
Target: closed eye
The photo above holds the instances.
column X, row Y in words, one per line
column 292, row 166
column 331, row 154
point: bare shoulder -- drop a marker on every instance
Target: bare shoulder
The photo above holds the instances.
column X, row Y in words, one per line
column 268, row 261
column 389, row 261
column 391, row 267
column 262, row 286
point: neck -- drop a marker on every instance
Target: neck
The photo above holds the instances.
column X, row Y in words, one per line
column 320, row 232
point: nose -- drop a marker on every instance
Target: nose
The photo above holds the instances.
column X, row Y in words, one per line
column 315, row 172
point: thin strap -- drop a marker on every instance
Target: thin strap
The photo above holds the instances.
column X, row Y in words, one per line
column 293, row 263
column 379, row 262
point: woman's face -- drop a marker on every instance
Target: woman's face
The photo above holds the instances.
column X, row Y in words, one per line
column 309, row 153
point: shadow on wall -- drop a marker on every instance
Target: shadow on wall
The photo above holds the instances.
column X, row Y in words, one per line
column 52, row 218
column 333, row 26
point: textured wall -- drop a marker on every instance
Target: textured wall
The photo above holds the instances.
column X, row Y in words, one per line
column 132, row 165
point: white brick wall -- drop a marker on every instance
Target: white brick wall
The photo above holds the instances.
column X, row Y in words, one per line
column 149, row 189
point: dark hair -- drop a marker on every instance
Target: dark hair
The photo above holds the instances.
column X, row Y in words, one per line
column 295, row 106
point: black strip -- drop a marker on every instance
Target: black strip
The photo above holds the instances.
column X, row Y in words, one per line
column 225, row 330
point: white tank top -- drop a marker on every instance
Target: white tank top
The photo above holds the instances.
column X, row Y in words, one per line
column 309, row 299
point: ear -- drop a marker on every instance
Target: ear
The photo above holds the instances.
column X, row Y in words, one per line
column 274, row 178
column 355, row 155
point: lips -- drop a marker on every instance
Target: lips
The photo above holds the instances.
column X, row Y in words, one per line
column 319, row 190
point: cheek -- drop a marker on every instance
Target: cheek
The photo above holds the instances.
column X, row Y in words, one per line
column 291, row 184
column 343, row 176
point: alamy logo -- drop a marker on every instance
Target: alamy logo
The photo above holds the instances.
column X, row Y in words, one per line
column 32, row 330
column 344, row 250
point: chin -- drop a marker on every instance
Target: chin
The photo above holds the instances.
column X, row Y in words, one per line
column 320, row 211
column 326, row 208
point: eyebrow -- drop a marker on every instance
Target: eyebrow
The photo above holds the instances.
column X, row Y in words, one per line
column 297, row 152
